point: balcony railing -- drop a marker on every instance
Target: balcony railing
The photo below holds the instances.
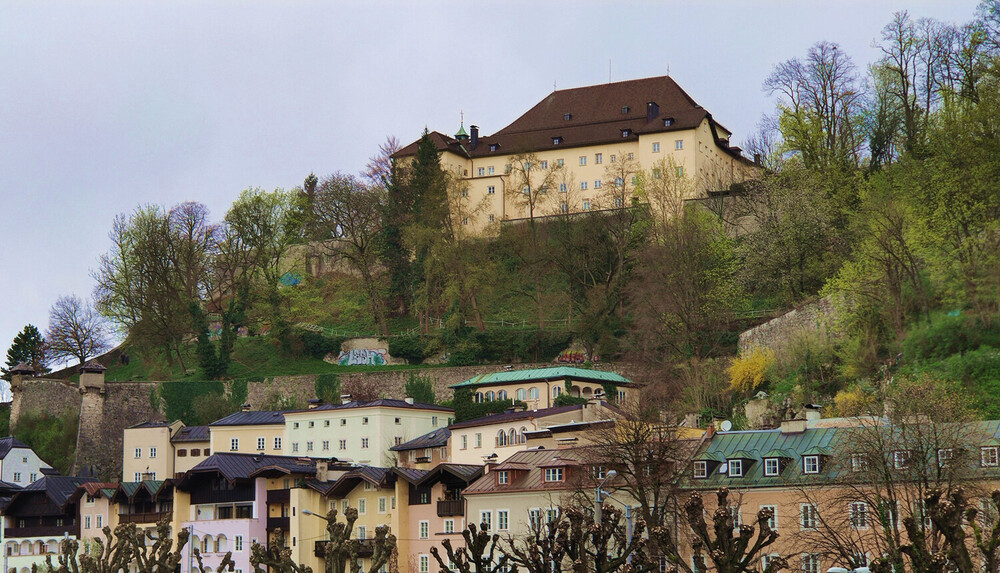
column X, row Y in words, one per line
column 277, row 522
column 41, row 531
column 279, row 495
column 451, row 507
column 152, row 517
column 366, row 548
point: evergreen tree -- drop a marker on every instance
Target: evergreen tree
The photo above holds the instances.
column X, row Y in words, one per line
column 28, row 347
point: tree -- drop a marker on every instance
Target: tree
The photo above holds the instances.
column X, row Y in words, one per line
column 348, row 223
column 481, row 553
column 76, row 330
column 420, row 388
column 28, row 347
column 341, row 552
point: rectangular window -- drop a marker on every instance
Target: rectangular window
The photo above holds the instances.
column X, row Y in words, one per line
column 534, row 518
column 988, row 456
column 295, row 425
column 901, row 459
column 434, row 421
column 465, row 442
column 562, row 187
column 563, row 207
column 238, row 543
column 489, row 170
column 679, row 171
column 559, row 163
column 342, row 444
column 425, row 564
column 362, row 532
column 586, row 205
column 701, row 469
column 486, row 517
column 810, row 464
column 551, row 514
column 810, row 563
column 544, row 164
column 449, row 526
column 100, row 521
column 343, row 506
column 553, row 474
column 234, row 444
column 679, row 144
column 261, row 443
column 309, row 446
column 86, row 522
column 481, row 171
column 381, row 505
column 491, row 190
column 503, row 521
column 945, row 456
column 656, row 147
column 295, row 446
column 656, row 173
column 326, row 445
column 364, row 443
column 583, row 160
column 136, row 477
column 312, row 424
column 597, row 183
column 735, row 468
column 364, row 420
column 807, row 516
column 502, row 477
column 152, row 452
column 138, row 453
column 326, row 423
column 425, row 529
column 277, row 442
column 583, row 186
column 772, row 522
column 343, row 422
column 859, row 462
column 392, row 502
column 612, row 158
column 598, row 158
column 771, row 466
column 362, row 506
column 479, row 440
column 858, row 515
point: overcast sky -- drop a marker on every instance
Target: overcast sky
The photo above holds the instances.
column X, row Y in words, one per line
column 106, row 106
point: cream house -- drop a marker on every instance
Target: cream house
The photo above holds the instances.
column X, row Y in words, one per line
column 248, row 432
column 591, row 147
column 161, row 450
column 540, row 388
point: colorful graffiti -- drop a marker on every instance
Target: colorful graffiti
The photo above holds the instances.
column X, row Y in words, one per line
column 363, row 357
column 575, row 356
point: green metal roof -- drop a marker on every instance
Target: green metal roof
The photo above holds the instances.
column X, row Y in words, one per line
column 817, row 451
column 707, row 456
column 741, row 455
column 554, row 373
column 461, row 132
column 779, row 453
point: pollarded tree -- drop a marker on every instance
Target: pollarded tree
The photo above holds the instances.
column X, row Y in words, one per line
column 76, row 330
column 275, row 557
column 340, row 553
column 481, row 553
column 728, row 548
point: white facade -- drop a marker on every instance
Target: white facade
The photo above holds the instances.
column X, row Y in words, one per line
column 21, row 465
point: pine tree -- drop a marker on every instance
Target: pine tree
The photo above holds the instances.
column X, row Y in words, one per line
column 28, row 347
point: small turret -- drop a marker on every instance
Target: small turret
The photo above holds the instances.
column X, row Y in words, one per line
column 18, row 373
column 92, row 376
column 461, row 135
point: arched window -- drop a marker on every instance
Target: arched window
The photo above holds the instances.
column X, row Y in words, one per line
column 206, row 544
column 533, row 393
column 524, row 439
column 502, row 395
column 556, row 391
column 220, row 544
column 501, row 438
column 489, row 396
column 512, row 437
column 479, row 396
column 520, row 394
column 25, row 548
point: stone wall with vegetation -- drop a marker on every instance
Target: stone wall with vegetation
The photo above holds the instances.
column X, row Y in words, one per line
column 816, row 316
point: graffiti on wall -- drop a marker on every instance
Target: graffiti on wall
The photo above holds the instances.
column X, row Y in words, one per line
column 363, row 357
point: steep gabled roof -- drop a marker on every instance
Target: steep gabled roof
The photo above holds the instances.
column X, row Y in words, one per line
column 9, row 443
column 262, row 418
column 190, row 434
column 376, row 476
column 506, row 417
column 58, row 489
column 543, row 374
column 244, row 466
column 433, row 439
column 530, row 473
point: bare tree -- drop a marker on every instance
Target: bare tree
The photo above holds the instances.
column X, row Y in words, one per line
column 76, row 330
column 481, row 553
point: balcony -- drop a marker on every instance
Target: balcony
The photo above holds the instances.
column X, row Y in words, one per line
column 152, row 517
column 42, row 531
column 451, row 507
column 366, row 548
column 277, row 523
column 423, row 460
column 279, row 495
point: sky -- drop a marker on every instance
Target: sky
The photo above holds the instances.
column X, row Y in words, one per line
column 105, row 106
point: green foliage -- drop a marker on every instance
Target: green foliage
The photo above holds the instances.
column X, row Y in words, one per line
column 28, row 347
column 179, row 398
column 414, row 348
column 238, row 392
column 567, row 400
column 467, row 409
column 944, row 336
column 53, row 438
column 211, row 407
column 327, row 387
column 5, row 420
column 520, row 345
column 318, row 344
column 420, row 388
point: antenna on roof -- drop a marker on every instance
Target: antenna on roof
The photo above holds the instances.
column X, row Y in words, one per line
column 553, row 85
column 668, row 70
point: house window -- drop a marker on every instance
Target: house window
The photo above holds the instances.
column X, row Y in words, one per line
column 489, row 170
column 859, row 462
column 544, row 164
column 559, row 163
column 86, row 522
column 137, row 477
column 583, row 186
column 364, row 443
column 656, row 173
column 988, row 456
column 326, row 445
column 425, row 564
column 583, row 160
column 807, row 516
column 597, row 183
column 562, row 187
column 464, row 442
column 810, row 563
column 563, row 207
column 344, row 505
column 486, row 518
column 312, row 424
column 656, row 147
column 152, row 452
column 479, row 440
column 434, row 421
column 520, row 394
column 556, row 140
column 261, row 443
column 679, row 171
column 771, row 466
column 772, row 521
column 362, row 532
column 363, row 503
column 234, row 444
column 624, row 109
column 503, row 521
column 502, row 477
column 858, row 515
column 425, row 529
column 901, row 459
column 701, row 469
column 138, row 453
column 586, row 205
column 309, row 446
column 182, row 453
column 381, row 505
column 493, row 147
column 621, row 396
column 525, row 190
column 553, row 474
column 735, row 468
column 625, row 132
column 679, row 144
column 295, row 425
column 556, row 391
column 631, row 156
column 364, row 420
column 810, row 464
column 100, row 521
column 295, row 446
column 598, row 158
column 945, row 455
column 465, row 220
column 612, row 158
column 449, row 526
column 397, row 440
column 342, row 444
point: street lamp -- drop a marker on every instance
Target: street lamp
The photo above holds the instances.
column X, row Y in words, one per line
column 597, row 495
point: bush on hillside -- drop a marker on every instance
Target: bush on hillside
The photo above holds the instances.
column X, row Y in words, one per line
column 414, row 348
column 749, row 371
column 178, row 398
column 327, row 387
column 318, row 344
column 53, row 438
column 420, row 388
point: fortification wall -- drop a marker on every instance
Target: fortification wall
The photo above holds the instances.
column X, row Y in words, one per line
column 776, row 333
column 103, row 419
column 39, row 395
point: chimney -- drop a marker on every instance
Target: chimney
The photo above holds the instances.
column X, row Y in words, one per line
column 322, row 471
column 474, row 131
column 312, row 403
column 652, row 111
column 345, row 398
column 691, row 420
column 408, row 400
column 812, row 412
column 245, row 407
column 793, row 426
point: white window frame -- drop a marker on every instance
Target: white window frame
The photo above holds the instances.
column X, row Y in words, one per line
column 553, row 475
column 261, row 444
column 807, row 516
column 859, row 462
column 773, row 522
column 989, row 456
column 735, row 468
column 277, row 443
column 383, row 503
column 700, row 469
column 423, row 529
column 152, row 451
column 449, row 526
column 857, row 515
column 503, row 519
column 810, row 464
column 138, row 453
column 772, row 467
column 486, row 516
column 901, row 459
column 234, row 444
column 656, row 147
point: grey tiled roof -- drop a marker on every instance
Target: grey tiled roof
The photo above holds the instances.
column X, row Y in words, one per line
column 514, row 416
column 262, row 418
column 242, row 466
column 9, row 443
column 433, row 439
column 191, row 434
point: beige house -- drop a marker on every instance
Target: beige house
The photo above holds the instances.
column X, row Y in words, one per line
column 592, row 147
column 248, row 432
column 539, row 388
column 360, row 432
column 158, row 450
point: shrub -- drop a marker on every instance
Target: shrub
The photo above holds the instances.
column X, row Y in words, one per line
column 53, row 438
column 747, row 372
column 567, row 400
column 178, row 398
column 318, row 344
column 327, row 387
column 414, row 348
column 420, row 388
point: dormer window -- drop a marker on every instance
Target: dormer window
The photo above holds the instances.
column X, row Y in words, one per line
column 624, row 109
column 945, row 455
column 988, row 456
column 859, row 462
column 626, row 132
column 557, row 140
column 567, row 116
column 735, row 468
column 668, row 122
column 701, row 469
column 810, row 464
column 901, row 459
column 772, row 467
column 502, row 477
column 493, row 146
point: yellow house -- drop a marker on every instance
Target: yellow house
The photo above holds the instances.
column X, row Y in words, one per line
column 248, row 432
column 539, row 388
column 586, row 145
column 161, row 450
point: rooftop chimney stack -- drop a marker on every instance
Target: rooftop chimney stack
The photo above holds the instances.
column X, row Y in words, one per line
column 408, row 400
column 652, row 111
column 474, row 139
column 245, row 407
column 345, row 398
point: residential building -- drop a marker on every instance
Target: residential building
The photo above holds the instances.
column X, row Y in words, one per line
column 249, row 432
column 426, row 451
column 360, row 432
column 587, row 143
column 37, row 518
column 540, row 387
column 94, row 500
column 160, row 450
column 191, row 445
column 19, row 464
